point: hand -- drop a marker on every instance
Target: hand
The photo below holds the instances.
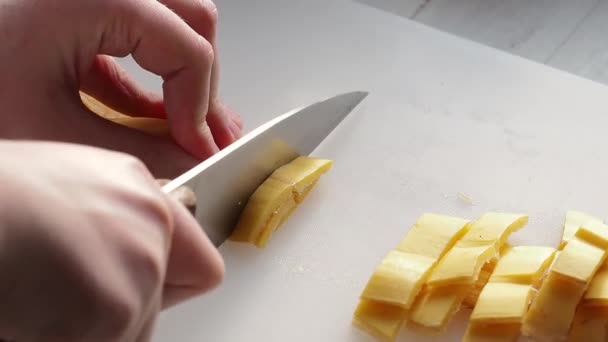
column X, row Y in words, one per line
column 52, row 49
column 90, row 247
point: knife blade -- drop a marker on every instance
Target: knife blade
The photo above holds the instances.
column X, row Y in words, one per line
column 224, row 182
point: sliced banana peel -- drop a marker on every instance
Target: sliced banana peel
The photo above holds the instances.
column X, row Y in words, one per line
column 458, row 271
column 152, row 126
column 504, row 300
column 552, row 313
column 398, row 279
column 276, row 198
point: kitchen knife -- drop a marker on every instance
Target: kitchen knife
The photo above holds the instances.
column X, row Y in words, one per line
column 223, row 183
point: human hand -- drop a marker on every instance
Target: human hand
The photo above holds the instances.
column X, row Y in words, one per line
column 91, row 251
column 53, row 49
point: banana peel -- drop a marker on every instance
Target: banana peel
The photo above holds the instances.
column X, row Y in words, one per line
column 276, row 198
column 152, row 126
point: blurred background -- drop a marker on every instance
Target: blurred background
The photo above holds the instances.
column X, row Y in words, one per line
column 569, row 35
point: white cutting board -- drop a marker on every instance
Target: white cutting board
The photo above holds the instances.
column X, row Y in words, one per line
column 444, row 116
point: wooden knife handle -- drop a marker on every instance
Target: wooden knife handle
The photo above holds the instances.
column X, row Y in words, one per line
column 183, row 195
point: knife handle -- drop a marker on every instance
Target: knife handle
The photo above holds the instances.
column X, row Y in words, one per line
column 156, row 127
column 183, row 195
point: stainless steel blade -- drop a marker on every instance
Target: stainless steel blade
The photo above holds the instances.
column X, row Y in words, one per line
column 224, row 182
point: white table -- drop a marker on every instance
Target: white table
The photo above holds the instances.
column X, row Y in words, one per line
column 444, row 116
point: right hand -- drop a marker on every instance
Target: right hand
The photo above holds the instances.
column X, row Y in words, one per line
column 91, row 249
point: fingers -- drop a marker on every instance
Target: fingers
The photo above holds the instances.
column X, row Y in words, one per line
column 182, row 194
column 162, row 43
column 202, row 17
column 195, row 266
column 109, row 83
column 236, row 118
column 161, row 155
column 146, row 332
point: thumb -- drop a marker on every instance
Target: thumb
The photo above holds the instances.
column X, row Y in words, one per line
column 195, row 266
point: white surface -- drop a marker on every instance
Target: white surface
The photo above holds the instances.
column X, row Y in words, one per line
column 407, row 8
column 586, row 52
column 568, row 35
column 444, row 116
column 531, row 29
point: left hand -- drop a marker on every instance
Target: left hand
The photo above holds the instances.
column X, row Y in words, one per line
column 53, row 49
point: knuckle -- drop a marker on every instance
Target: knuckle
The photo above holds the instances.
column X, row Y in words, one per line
column 113, row 313
column 215, row 277
column 211, row 272
column 121, row 313
column 205, row 51
column 144, row 193
column 156, row 205
column 210, row 12
column 150, row 265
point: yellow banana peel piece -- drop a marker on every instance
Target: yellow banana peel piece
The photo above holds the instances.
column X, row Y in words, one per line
column 479, row 245
column 381, row 320
column 458, row 271
column 397, row 281
column 276, row 198
column 152, row 126
column 505, row 299
column 574, row 220
column 553, row 311
column 398, row 278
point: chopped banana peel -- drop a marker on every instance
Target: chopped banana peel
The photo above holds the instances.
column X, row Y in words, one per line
column 484, row 276
column 276, row 199
column 433, row 235
column 461, row 265
column 505, row 299
column 303, row 173
column 595, row 233
column 504, row 303
column 435, row 307
column 591, row 317
column 380, row 320
column 592, row 313
column 523, row 264
column 152, row 126
column 459, row 270
column 574, row 219
column 552, row 313
column 492, row 333
column 543, row 293
column 579, row 261
column 482, row 280
column 597, row 293
column 401, row 274
column 263, row 212
column 479, row 245
column 588, row 326
column 398, row 279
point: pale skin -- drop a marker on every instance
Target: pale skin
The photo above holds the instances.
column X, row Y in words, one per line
column 91, row 249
